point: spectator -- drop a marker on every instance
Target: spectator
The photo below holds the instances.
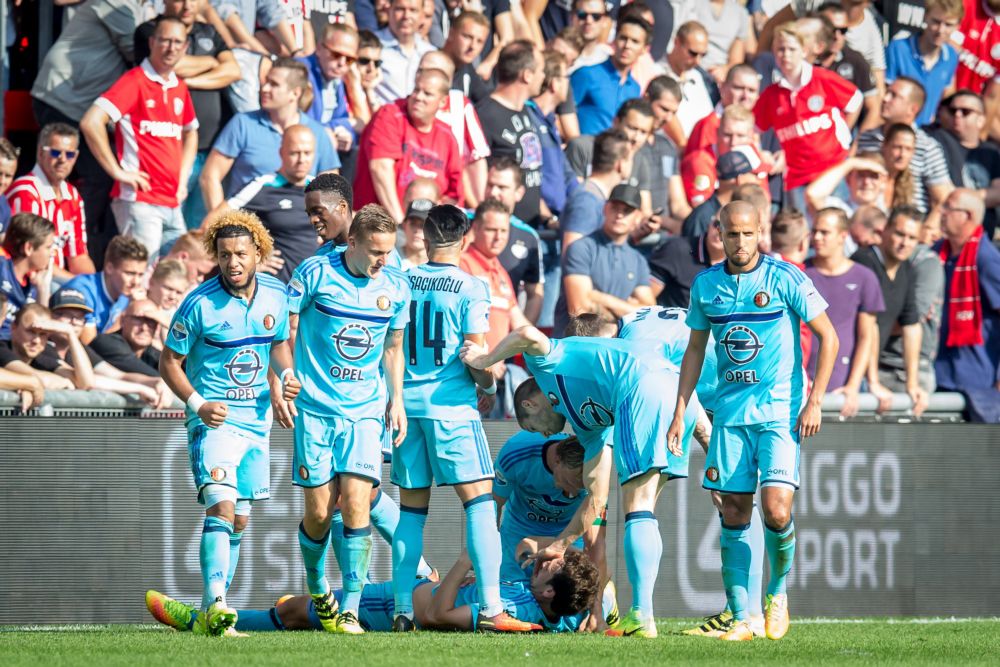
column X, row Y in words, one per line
column 241, row 18
column 664, row 96
column 972, row 163
column 522, row 257
column 95, row 48
column 866, row 177
column 402, row 47
column 190, row 251
column 250, row 143
column 810, row 29
column 867, row 226
column 738, row 167
column 674, row 264
column 926, row 56
column 602, row 273
column 464, row 44
column 414, row 251
column 558, row 179
column 167, row 288
column 895, row 275
column 156, row 145
column 8, row 169
column 45, row 192
column 279, row 201
column 898, row 152
column 646, row 68
column 902, row 17
column 131, row 350
column 405, row 141
column 730, row 39
column 902, row 102
column 371, row 14
column 611, row 165
column 865, row 37
column 370, row 67
column 28, row 351
column 422, row 188
column 969, row 352
column 594, row 21
column 979, row 57
column 569, row 43
column 509, row 127
column 848, row 63
column 855, row 298
column 108, row 291
column 790, row 237
column 698, row 88
column 812, row 111
column 25, row 274
column 498, row 21
column 599, row 90
column 741, row 86
column 208, row 68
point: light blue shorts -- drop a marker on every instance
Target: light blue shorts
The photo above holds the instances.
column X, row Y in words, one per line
column 738, row 453
column 231, row 457
column 329, row 446
column 448, row 452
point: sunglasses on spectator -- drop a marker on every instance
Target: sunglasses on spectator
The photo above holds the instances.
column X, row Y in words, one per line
column 338, row 54
column 56, row 153
column 841, row 31
column 594, row 16
column 963, row 111
column 365, row 62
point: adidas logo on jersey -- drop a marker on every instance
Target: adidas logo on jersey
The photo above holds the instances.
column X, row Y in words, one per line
column 717, row 301
column 225, row 326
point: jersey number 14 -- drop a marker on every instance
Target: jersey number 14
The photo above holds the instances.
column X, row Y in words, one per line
column 433, row 337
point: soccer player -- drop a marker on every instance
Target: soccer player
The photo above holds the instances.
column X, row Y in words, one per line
column 352, row 309
column 445, row 441
column 224, row 330
column 752, row 305
column 605, row 387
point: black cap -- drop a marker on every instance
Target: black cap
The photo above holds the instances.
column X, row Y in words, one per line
column 419, row 208
column 626, row 194
column 741, row 160
column 69, row 298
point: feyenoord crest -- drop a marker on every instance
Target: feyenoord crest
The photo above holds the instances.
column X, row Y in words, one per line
column 269, row 322
column 303, row 473
column 761, row 299
column 712, row 475
column 553, row 399
column 218, row 474
column 383, row 302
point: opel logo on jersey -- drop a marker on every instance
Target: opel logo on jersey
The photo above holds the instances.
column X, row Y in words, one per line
column 244, row 367
column 596, row 413
column 761, row 299
column 742, row 345
column 353, row 342
column 383, row 302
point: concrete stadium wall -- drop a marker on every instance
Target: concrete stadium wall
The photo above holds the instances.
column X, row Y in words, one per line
column 893, row 519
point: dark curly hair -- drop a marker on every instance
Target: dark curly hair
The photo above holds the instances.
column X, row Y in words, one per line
column 575, row 585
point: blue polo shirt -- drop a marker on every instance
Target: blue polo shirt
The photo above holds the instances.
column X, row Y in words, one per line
column 903, row 58
column 598, row 92
column 254, row 143
column 96, row 292
column 329, row 105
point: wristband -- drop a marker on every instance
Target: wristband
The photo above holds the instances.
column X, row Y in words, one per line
column 195, row 401
column 491, row 390
column 285, row 373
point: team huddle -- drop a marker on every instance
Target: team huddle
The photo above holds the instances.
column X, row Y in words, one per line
column 364, row 360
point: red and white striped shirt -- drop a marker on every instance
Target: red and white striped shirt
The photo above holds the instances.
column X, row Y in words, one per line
column 33, row 193
column 459, row 114
column 150, row 115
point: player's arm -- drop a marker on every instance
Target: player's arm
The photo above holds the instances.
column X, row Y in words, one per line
column 597, row 480
column 392, row 362
column 281, row 366
column 525, row 340
column 284, row 411
column 703, row 429
column 441, row 613
column 691, row 365
column 212, row 413
column 811, row 416
column 595, row 545
column 483, row 378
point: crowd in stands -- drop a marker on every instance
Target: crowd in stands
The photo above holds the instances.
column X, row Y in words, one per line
column 593, row 143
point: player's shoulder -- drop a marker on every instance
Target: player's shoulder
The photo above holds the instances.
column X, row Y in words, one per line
column 317, row 262
column 271, row 286
column 713, row 273
column 199, row 297
column 395, row 277
column 785, row 271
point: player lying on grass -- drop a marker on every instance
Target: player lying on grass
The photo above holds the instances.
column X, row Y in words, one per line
column 553, row 598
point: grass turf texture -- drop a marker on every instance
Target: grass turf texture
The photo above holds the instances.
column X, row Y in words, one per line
column 896, row 641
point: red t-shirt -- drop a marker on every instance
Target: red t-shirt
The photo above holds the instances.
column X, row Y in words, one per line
column 32, row 193
column 810, row 122
column 701, row 178
column 978, row 39
column 432, row 154
column 705, row 132
column 150, row 113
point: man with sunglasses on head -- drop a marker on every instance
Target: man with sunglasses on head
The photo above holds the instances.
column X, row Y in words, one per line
column 44, row 191
column 698, row 88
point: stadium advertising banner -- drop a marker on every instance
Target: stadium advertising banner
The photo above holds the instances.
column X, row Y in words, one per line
column 892, row 519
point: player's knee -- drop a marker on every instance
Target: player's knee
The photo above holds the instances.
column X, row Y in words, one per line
column 240, row 522
column 220, row 501
column 777, row 515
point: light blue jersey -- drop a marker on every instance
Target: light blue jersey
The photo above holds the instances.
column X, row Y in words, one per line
column 343, row 322
column 227, row 343
column 524, row 480
column 667, row 326
column 392, row 260
column 755, row 319
column 447, row 304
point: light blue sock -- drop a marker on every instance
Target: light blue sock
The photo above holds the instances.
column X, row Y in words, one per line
column 757, row 550
column 385, row 518
column 407, row 544
column 337, row 538
column 314, row 558
column 735, row 543
column 780, row 554
column 214, row 556
column 484, row 550
column 259, row 620
column 643, row 550
column 357, row 556
column 234, row 557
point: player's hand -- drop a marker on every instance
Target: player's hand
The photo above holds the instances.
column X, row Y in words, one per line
column 590, row 623
column 136, row 179
column 213, row 414
column 474, row 356
column 290, row 389
column 850, row 408
column 284, row 412
column 810, row 420
column 674, row 435
column 883, row 395
column 919, row 398
column 484, row 401
column 555, row 550
column 396, row 420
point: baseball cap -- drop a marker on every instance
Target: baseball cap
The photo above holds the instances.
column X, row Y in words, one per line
column 741, row 160
column 626, row 194
column 69, row 298
column 419, row 208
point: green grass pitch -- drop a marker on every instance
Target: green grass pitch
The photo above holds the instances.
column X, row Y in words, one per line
column 809, row 642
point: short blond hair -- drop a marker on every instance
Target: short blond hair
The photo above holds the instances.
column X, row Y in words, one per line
column 371, row 219
column 245, row 220
column 738, row 113
column 953, row 8
column 193, row 243
column 790, row 29
column 170, row 268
